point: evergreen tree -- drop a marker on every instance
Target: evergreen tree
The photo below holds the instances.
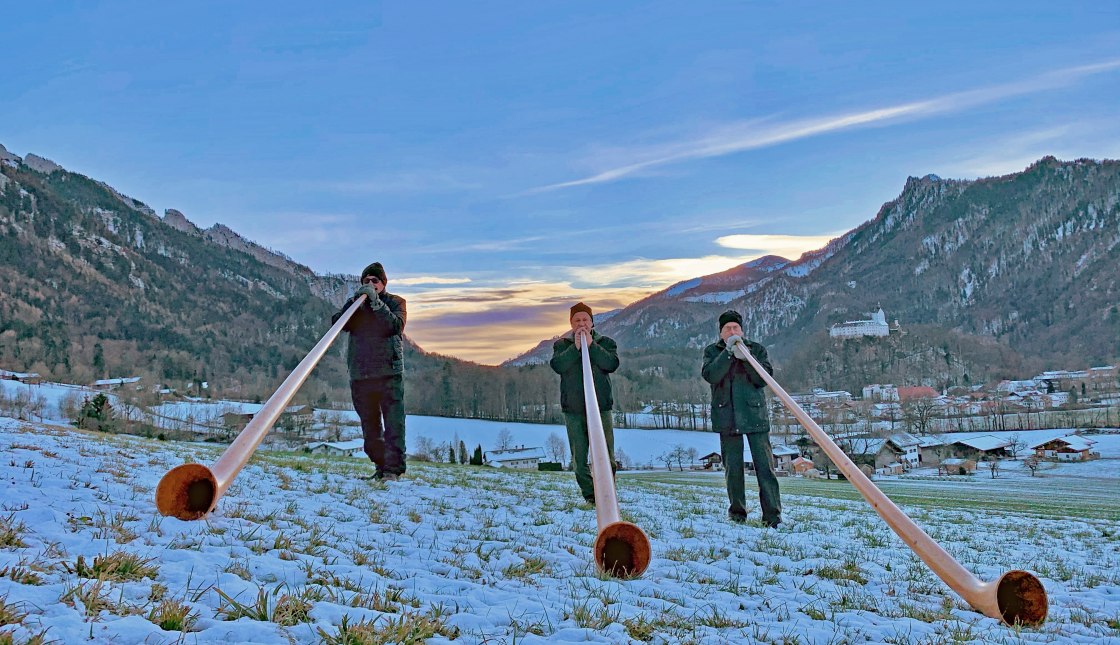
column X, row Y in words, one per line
column 476, row 458
column 463, row 456
column 450, row 453
column 96, row 414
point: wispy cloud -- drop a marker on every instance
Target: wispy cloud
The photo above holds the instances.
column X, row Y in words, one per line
column 491, row 325
column 431, row 279
column 660, row 273
column 398, row 183
column 760, row 133
column 787, row 246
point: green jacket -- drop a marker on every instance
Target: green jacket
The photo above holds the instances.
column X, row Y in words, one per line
column 738, row 405
column 568, row 363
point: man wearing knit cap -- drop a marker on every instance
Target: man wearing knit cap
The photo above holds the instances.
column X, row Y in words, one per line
column 738, row 409
column 375, row 356
column 567, row 361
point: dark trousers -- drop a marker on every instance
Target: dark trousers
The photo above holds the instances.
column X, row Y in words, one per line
column 375, row 398
column 579, row 443
column 731, row 451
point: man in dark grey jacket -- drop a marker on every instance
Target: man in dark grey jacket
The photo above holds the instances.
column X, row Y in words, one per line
column 739, row 408
column 375, row 356
column 567, row 361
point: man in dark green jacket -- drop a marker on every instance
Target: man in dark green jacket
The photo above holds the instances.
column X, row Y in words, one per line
column 375, row 356
column 739, row 408
column 567, row 361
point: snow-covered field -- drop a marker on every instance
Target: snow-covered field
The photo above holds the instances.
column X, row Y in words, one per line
column 299, row 550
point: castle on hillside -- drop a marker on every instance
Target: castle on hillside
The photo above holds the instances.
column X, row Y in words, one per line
column 875, row 326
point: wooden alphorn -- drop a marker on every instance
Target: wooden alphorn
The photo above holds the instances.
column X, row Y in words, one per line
column 621, row 549
column 1016, row 597
column 192, row 491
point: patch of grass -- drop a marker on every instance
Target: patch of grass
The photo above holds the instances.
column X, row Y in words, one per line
column 719, row 620
column 528, row 567
column 12, row 532
column 260, row 609
column 9, row 615
column 848, row 570
column 239, row 569
column 21, row 575
column 813, row 611
column 121, row 566
column 92, row 595
column 924, row 614
column 291, row 610
column 588, row 617
column 173, row 616
column 406, row 629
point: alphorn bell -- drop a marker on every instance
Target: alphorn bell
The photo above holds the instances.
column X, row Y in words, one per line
column 191, row 491
column 1016, row 597
column 621, row 549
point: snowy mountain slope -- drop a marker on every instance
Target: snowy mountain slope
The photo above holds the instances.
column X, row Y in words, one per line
column 478, row 555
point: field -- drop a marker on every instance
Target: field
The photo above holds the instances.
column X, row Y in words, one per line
column 300, row 550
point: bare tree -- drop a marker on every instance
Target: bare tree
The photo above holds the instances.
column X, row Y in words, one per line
column 667, row 458
column 822, row 463
column 680, row 454
column 692, row 454
column 1017, row 445
column 426, row 450
column 623, row 459
column 505, row 439
column 556, row 447
column 332, row 421
column 1032, row 463
column 918, row 414
column 993, row 465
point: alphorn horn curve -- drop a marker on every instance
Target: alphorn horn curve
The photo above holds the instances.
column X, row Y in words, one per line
column 621, row 549
column 1016, row 597
column 191, row 491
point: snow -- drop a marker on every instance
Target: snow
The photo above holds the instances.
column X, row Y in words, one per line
column 500, row 556
column 718, row 297
column 681, row 287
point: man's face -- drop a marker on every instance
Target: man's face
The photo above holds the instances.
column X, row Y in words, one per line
column 581, row 321
column 730, row 329
column 378, row 285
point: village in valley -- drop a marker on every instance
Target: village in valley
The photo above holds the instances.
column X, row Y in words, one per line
column 888, row 430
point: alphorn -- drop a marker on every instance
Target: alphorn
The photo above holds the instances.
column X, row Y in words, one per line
column 1016, row 597
column 192, row 491
column 621, row 549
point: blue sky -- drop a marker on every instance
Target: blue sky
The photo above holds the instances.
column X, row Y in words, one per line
column 504, row 159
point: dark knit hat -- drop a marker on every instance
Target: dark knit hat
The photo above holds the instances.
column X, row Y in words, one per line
column 377, row 271
column 578, row 307
column 730, row 316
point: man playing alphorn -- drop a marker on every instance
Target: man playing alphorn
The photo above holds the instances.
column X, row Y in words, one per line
column 567, row 362
column 738, row 409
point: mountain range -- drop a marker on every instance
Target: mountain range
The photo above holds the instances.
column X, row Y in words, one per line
column 991, row 278
column 987, row 279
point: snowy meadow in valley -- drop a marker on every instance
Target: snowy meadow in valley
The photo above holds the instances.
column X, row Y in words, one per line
column 301, row 550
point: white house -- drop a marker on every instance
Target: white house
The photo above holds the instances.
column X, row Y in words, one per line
column 1020, row 387
column 784, row 456
column 114, row 383
column 880, row 393
column 23, row 377
column 526, row 458
column 875, row 326
column 907, row 447
column 1068, row 448
column 982, row 446
column 352, row 448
